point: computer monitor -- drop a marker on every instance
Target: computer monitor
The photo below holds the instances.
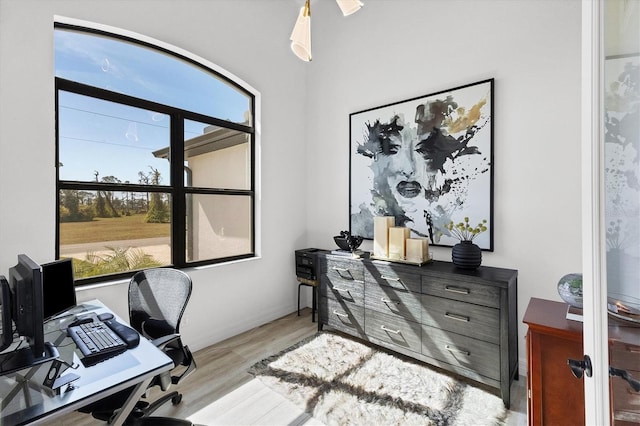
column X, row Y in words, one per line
column 25, row 281
column 6, row 337
column 58, row 287
column 25, row 299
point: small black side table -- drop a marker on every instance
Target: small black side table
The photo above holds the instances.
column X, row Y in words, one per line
column 314, row 288
column 307, row 274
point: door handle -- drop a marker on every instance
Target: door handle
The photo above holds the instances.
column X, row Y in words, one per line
column 578, row 367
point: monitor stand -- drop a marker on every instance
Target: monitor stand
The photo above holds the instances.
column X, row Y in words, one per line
column 13, row 361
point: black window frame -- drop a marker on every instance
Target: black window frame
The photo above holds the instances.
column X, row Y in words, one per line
column 176, row 188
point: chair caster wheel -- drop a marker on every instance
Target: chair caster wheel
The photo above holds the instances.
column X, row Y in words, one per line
column 176, row 399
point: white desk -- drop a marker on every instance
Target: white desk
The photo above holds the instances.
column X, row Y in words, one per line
column 26, row 402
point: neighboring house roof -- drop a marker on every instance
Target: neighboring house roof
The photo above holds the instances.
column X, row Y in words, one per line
column 213, row 139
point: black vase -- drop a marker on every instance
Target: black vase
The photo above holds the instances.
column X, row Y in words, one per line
column 466, row 255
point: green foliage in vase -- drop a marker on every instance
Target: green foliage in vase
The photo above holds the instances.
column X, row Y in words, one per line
column 464, row 231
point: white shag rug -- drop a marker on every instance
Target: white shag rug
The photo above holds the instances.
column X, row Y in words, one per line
column 340, row 381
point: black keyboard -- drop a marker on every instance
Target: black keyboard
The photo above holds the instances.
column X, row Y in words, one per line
column 96, row 341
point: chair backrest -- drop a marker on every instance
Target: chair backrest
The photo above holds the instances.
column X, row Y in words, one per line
column 157, row 300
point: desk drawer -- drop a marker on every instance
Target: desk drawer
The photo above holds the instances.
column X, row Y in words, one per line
column 346, row 317
column 394, row 302
column 479, row 322
column 465, row 291
column 387, row 275
column 461, row 351
column 393, row 330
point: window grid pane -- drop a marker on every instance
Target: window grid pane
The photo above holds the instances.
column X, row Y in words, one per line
column 218, row 226
column 102, row 141
column 111, row 232
column 216, row 157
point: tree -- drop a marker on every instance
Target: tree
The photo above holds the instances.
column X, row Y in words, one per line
column 144, row 179
column 104, row 204
column 71, row 207
column 158, row 210
column 70, row 202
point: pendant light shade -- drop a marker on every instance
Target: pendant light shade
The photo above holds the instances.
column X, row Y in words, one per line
column 349, row 6
column 301, row 34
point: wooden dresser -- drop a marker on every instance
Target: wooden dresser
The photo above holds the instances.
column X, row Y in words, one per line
column 555, row 396
column 462, row 321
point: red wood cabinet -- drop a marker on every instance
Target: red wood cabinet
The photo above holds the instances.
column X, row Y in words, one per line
column 555, row 396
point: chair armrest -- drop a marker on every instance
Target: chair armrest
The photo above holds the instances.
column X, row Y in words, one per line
column 188, row 362
column 163, row 341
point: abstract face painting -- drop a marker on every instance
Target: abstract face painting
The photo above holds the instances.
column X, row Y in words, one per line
column 426, row 161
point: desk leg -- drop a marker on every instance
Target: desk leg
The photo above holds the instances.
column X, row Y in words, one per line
column 121, row 415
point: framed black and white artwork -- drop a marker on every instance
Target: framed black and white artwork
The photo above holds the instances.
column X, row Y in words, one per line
column 427, row 161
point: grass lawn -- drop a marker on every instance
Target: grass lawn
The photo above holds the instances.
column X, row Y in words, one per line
column 112, row 229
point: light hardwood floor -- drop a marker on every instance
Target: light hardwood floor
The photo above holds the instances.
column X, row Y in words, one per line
column 221, row 392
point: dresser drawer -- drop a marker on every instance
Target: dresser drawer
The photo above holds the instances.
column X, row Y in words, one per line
column 625, row 356
column 343, row 290
column 461, row 351
column 626, row 402
column 392, row 330
column 479, row 322
column 464, row 291
column 391, row 301
column 346, row 317
column 345, row 269
column 387, row 275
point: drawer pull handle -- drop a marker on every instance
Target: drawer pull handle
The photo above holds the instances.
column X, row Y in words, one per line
column 460, row 351
column 624, row 374
column 343, row 272
column 346, row 290
column 389, row 330
column 633, row 349
column 340, row 314
column 458, row 290
column 384, row 277
column 385, row 300
column 457, row 317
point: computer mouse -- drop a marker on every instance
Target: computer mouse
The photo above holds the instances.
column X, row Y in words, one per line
column 80, row 320
column 106, row 316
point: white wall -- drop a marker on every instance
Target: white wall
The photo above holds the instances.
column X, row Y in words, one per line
column 389, row 51
column 393, row 50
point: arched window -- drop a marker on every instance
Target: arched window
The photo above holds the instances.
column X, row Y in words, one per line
column 155, row 153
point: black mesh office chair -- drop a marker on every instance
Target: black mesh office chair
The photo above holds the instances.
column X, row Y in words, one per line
column 157, row 300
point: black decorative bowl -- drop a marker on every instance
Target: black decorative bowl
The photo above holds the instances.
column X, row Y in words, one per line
column 342, row 243
column 347, row 242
